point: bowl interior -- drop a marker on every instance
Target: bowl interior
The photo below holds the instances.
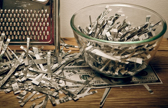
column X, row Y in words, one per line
column 136, row 15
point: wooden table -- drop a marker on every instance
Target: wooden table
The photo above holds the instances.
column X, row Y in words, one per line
column 125, row 97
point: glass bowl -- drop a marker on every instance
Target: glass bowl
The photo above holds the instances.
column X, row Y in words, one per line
column 113, row 53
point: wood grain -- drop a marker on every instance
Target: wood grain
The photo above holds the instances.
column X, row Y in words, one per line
column 125, row 97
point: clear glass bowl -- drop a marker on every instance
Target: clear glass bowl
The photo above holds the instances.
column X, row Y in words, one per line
column 117, row 59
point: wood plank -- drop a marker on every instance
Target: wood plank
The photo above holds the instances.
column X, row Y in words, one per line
column 72, row 41
column 127, row 97
column 164, row 44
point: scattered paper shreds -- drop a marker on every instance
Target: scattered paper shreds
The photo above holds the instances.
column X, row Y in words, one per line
column 31, row 72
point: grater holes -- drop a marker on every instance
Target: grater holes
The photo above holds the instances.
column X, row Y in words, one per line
column 18, row 23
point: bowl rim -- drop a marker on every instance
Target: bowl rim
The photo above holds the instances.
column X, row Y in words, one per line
column 116, row 42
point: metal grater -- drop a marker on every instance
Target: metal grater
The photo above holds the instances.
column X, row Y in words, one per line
column 20, row 19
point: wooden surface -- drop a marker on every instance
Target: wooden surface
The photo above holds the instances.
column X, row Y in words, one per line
column 125, row 97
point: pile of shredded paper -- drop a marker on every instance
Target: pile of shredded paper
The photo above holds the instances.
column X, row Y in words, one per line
column 37, row 71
